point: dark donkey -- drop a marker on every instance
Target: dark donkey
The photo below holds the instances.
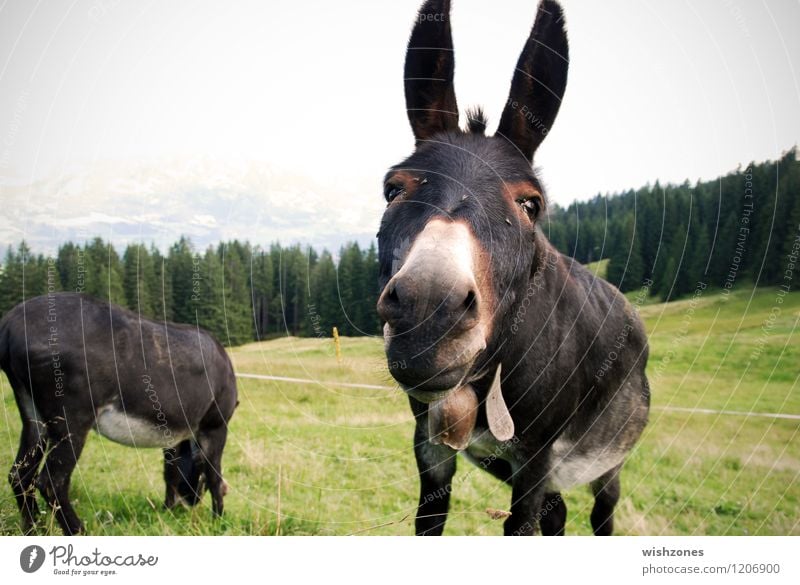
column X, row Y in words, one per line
column 77, row 363
column 510, row 352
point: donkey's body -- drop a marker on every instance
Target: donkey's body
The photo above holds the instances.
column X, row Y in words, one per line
column 576, row 361
column 479, row 306
column 76, row 363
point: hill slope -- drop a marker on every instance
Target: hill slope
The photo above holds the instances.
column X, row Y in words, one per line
column 343, row 460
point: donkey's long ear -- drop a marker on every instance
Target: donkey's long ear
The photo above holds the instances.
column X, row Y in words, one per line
column 539, row 82
column 430, row 97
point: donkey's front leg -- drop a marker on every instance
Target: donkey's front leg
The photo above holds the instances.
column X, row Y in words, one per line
column 436, row 465
column 527, row 497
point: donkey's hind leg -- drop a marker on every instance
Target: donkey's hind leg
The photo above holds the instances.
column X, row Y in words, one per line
column 23, row 472
column 32, row 443
column 606, row 492
column 212, row 443
column 65, row 444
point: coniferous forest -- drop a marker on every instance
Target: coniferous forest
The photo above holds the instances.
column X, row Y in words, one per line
column 742, row 228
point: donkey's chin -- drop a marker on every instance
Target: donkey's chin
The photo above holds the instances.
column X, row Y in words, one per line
column 430, row 388
column 433, row 380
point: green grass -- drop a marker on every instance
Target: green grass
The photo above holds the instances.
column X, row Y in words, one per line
column 599, row 268
column 322, row 459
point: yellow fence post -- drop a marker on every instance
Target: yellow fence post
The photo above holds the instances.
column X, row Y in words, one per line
column 337, row 345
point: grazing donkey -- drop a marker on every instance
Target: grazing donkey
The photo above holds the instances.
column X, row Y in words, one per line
column 77, row 363
column 510, row 352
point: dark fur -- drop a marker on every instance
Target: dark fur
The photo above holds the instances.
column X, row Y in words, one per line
column 110, row 356
column 552, row 354
column 184, row 473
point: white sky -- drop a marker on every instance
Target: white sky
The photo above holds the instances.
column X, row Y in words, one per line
column 313, row 90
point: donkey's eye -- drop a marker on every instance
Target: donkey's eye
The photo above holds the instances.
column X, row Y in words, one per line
column 392, row 190
column 531, row 205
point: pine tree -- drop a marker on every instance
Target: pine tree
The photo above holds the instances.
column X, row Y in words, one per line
column 103, row 272
column 616, row 251
column 138, row 272
column 372, row 322
column 673, row 282
column 209, row 302
column 351, row 289
column 11, row 283
column 236, row 295
column 697, row 253
column 789, row 244
column 327, row 312
column 182, row 267
column 70, row 266
column 261, row 288
column 159, row 287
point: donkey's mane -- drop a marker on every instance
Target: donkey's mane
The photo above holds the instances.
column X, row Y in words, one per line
column 476, row 120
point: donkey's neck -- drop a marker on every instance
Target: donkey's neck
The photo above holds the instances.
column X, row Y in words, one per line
column 546, row 268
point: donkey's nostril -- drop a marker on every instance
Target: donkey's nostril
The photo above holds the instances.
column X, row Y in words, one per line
column 389, row 305
column 471, row 301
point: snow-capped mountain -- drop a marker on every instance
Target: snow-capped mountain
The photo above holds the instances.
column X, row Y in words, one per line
column 208, row 201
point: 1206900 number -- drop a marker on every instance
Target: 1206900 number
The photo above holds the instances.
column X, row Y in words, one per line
column 756, row 568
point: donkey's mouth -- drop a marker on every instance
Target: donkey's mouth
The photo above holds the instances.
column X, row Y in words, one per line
column 427, row 364
column 432, row 386
column 427, row 397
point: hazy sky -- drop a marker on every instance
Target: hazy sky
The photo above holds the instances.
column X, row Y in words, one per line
column 111, row 111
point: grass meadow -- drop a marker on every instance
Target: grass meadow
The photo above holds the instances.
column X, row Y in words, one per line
column 317, row 458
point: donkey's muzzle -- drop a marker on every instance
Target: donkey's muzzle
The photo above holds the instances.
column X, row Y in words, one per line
column 432, row 333
column 426, row 299
column 434, row 313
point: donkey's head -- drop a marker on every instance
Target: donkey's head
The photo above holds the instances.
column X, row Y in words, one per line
column 191, row 465
column 457, row 237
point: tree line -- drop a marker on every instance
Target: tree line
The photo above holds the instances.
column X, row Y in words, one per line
column 237, row 291
column 742, row 227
